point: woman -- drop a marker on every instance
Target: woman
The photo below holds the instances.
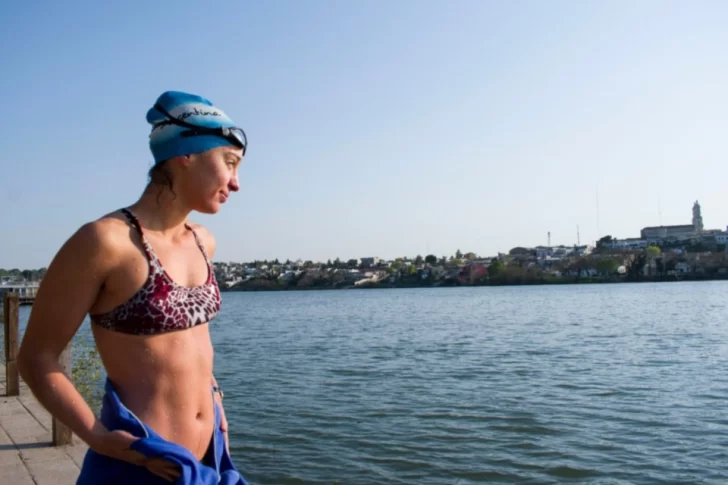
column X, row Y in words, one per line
column 143, row 273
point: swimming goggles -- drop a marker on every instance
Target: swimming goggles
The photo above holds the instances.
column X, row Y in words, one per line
column 234, row 135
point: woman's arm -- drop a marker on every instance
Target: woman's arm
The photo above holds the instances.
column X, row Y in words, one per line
column 67, row 292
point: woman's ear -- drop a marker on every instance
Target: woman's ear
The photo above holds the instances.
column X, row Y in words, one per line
column 183, row 160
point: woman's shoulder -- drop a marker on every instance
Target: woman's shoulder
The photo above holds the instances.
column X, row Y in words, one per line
column 105, row 235
column 95, row 248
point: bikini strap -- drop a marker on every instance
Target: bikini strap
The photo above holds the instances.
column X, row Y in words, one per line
column 145, row 244
column 199, row 243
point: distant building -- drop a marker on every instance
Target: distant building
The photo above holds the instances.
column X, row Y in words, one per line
column 582, row 250
column 667, row 232
column 682, row 268
column 629, row 243
column 10, row 279
column 560, row 252
column 472, row 272
column 25, row 290
column 369, row 262
column 697, row 218
column 659, row 233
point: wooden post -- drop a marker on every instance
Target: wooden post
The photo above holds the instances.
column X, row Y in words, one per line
column 62, row 434
column 11, row 323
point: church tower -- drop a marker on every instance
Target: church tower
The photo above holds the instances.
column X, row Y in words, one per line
column 697, row 218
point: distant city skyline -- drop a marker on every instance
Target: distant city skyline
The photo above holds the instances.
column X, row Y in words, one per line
column 549, row 243
column 376, row 129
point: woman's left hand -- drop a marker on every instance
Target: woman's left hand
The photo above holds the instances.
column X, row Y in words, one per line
column 223, row 421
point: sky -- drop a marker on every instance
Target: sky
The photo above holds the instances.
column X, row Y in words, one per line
column 375, row 128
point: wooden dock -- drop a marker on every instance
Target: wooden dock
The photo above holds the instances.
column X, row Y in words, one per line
column 34, row 450
column 27, row 454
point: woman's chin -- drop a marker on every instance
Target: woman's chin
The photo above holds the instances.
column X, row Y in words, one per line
column 210, row 207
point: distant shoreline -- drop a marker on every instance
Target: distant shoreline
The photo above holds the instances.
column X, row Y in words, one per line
column 539, row 282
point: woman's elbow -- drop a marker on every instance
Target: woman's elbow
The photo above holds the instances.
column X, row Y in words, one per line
column 30, row 362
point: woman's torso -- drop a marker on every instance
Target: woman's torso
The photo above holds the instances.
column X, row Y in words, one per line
column 150, row 326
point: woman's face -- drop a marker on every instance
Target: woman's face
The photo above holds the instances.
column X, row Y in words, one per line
column 210, row 177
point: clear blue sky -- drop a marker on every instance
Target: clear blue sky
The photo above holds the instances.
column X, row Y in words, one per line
column 376, row 127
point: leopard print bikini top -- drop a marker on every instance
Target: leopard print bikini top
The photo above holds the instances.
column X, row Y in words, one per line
column 161, row 305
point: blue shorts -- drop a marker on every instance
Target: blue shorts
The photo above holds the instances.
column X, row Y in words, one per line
column 97, row 468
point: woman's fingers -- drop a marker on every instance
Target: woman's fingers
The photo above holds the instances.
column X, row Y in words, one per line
column 172, row 470
column 163, row 468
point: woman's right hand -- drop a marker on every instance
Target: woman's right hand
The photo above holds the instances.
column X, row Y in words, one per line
column 117, row 444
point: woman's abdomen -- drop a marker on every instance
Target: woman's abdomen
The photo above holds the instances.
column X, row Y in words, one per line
column 165, row 380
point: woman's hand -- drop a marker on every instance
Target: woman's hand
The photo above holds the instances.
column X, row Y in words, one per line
column 117, row 444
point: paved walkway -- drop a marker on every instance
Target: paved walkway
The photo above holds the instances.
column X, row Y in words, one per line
column 27, row 456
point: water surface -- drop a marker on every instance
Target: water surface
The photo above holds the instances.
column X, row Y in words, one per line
column 592, row 384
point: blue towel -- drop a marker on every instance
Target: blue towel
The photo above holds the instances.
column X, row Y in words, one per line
column 99, row 469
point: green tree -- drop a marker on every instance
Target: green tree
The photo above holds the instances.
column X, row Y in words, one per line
column 607, row 266
column 397, row 264
column 635, row 267
column 86, row 371
column 495, row 268
column 430, row 259
column 653, row 251
column 39, row 274
column 418, row 260
column 604, row 241
column 470, row 256
column 458, row 254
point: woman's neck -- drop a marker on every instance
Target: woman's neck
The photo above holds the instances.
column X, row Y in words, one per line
column 160, row 211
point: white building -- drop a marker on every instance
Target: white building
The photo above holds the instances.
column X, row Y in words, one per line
column 629, row 243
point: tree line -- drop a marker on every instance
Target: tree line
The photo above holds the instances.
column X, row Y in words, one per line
column 27, row 274
column 456, row 259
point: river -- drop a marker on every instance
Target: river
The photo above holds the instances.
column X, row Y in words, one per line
column 589, row 384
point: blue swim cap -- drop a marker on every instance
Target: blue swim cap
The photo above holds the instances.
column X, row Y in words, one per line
column 165, row 140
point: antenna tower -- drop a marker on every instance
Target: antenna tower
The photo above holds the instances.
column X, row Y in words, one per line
column 599, row 231
column 659, row 208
